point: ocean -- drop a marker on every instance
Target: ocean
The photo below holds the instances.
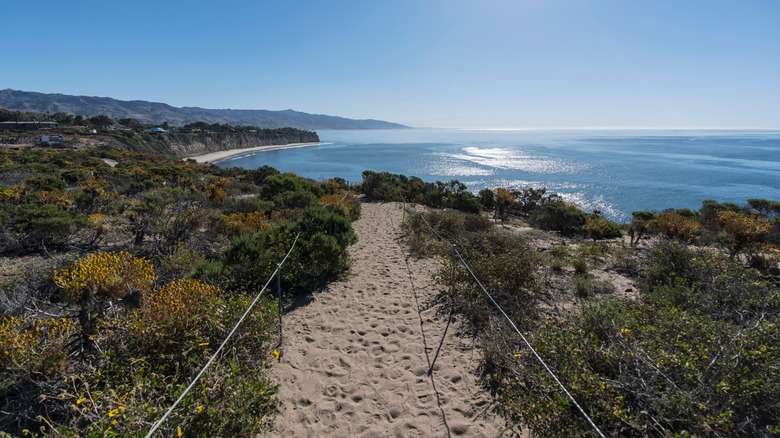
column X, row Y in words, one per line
column 616, row 171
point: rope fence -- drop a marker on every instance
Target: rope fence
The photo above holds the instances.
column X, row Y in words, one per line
column 275, row 274
column 456, row 253
column 462, row 261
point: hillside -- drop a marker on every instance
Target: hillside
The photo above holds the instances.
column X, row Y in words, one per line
column 156, row 112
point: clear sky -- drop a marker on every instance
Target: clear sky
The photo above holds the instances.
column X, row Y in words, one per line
column 425, row 63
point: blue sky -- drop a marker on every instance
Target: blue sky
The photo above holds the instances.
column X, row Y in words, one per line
column 426, row 63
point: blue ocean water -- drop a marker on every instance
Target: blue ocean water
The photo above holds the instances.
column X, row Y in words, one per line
column 615, row 171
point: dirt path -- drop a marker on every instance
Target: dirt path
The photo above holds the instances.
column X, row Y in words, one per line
column 356, row 356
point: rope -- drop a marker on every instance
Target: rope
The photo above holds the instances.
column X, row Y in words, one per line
column 582, row 411
column 279, row 266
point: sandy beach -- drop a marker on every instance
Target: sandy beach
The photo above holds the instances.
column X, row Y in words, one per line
column 378, row 353
column 218, row 156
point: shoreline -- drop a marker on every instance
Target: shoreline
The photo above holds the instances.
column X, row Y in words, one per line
column 215, row 157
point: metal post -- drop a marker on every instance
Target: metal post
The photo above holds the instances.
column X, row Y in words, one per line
column 279, row 293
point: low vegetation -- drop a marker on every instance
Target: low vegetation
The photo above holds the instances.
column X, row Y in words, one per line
column 693, row 353
column 119, row 283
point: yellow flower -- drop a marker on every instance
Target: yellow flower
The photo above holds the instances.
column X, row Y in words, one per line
column 81, row 400
column 199, row 409
column 275, row 354
column 178, row 431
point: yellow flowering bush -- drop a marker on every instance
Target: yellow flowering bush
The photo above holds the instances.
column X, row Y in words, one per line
column 679, row 227
column 240, row 223
column 177, row 303
column 743, row 232
column 215, row 189
column 54, row 197
column 98, row 222
column 32, row 343
column 107, row 274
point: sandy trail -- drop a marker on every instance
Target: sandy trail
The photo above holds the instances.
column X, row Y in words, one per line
column 356, row 355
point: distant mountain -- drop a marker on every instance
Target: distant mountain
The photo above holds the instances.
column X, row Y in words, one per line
column 155, row 112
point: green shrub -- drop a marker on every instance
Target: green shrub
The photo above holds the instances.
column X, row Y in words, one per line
column 670, row 364
column 294, row 200
column 48, row 183
column 285, row 182
column 583, row 285
column 487, row 198
column 602, row 228
column 567, row 220
column 679, row 227
column 580, row 266
column 250, row 259
column 40, row 227
column 506, row 265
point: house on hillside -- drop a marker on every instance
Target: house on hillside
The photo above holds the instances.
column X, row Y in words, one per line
column 156, row 129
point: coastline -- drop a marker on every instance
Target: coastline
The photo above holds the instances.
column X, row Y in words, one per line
column 215, row 157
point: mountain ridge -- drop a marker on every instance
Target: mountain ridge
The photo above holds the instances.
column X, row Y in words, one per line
column 159, row 112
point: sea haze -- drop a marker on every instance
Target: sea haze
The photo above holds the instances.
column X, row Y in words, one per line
column 615, row 171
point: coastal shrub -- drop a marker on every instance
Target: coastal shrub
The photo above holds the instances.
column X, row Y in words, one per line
column 505, row 199
column 487, row 198
column 250, row 259
column 465, row 201
column 39, row 228
column 580, row 266
column 246, row 205
column 451, row 225
column 505, row 264
column 94, row 281
column 686, row 359
column 285, row 182
column 679, row 227
column 48, row 183
column 294, row 200
column 343, row 204
column 151, row 355
column 766, row 208
column 386, row 186
column 530, row 199
column 742, row 233
column 602, row 228
column 644, row 222
column 380, row 186
column 593, row 249
column 215, row 189
column 567, row 219
column 239, row 223
column 258, row 176
column 583, row 285
column 710, row 208
column 318, row 219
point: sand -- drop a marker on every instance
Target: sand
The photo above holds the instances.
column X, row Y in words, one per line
column 214, row 157
column 356, row 355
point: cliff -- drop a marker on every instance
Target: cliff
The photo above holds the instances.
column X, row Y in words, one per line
column 188, row 144
column 184, row 145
